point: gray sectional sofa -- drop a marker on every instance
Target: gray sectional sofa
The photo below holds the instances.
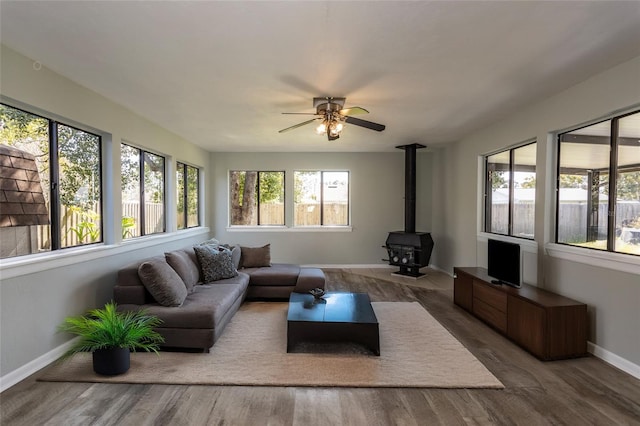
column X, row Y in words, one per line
column 195, row 312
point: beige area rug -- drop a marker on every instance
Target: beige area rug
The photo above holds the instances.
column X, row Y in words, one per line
column 416, row 351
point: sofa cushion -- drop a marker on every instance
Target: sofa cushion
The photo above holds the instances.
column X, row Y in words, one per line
column 204, row 308
column 280, row 274
column 215, row 262
column 255, row 257
column 163, row 282
column 185, row 263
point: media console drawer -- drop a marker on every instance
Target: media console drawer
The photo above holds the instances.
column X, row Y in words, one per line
column 547, row 325
column 491, row 315
column 491, row 296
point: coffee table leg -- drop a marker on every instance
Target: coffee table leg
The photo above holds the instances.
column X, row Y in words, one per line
column 371, row 339
column 290, row 338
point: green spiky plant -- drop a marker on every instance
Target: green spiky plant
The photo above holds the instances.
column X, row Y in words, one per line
column 107, row 328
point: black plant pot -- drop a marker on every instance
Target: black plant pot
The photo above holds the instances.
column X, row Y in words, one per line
column 110, row 362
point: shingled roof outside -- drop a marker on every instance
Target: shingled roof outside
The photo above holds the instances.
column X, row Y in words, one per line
column 22, row 201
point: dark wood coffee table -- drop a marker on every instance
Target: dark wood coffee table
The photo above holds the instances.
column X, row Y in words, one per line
column 337, row 317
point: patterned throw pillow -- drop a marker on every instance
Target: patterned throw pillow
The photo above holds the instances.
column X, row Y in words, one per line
column 215, row 262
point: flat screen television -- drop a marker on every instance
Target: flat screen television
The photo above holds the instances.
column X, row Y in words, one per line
column 503, row 261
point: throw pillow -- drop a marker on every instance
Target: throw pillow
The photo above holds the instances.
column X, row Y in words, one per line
column 215, row 262
column 211, row 241
column 186, row 265
column 164, row 284
column 236, row 253
column 255, row 257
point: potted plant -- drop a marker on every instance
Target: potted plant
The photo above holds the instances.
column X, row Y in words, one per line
column 111, row 336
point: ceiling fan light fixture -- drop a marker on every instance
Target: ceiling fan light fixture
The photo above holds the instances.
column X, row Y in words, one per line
column 335, row 128
column 333, row 116
column 322, row 128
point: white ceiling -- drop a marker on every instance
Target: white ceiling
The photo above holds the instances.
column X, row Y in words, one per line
column 220, row 73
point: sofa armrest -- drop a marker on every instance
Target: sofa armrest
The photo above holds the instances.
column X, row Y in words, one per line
column 129, row 295
column 129, row 289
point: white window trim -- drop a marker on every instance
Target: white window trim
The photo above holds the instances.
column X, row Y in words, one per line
column 482, row 180
column 267, row 228
column 325, row 228
column 600, row 258
column 12, row 267
column 530, row 246
column 603, row 259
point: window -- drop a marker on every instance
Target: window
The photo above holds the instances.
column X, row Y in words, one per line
column 142, row 180
column 187, row 178
column 598, row 186
column 51, row 184
column 256, row 198
column 510, row 192
column 321, row 198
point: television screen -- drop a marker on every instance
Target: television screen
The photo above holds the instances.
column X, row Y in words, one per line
column 503, row 260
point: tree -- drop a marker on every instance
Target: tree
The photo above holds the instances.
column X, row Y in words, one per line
column 243, row 197
column 78, row 152
column 529, row 182
column 79, row 164
column 628, row 186
column 304, row 183
column 243, row 186
column 130, row 171
column 498, row 179
column 29, row 133
column 573, row 181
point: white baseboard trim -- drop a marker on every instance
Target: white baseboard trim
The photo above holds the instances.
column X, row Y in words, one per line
column 356, row 266
column 373, row 265
column 435, row 268
column 613, row 359
column 31, row 367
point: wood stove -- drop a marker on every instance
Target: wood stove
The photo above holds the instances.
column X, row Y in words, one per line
column 408, row 249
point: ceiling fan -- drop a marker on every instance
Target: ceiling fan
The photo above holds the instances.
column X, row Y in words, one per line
column 332, row 115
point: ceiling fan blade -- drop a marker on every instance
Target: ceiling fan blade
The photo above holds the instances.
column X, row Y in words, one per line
column 300, row 113
column 353, row 111
column 365, row 123
column 295, row 126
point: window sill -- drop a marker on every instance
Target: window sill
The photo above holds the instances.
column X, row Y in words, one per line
column 289, row 229
column 527, row 245
column 29, row 264
column 602, row 259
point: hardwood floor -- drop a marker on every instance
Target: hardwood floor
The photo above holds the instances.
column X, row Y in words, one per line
column 582, row 391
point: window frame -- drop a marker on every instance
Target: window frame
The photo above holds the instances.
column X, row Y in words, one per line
column 322, row 225
column 486, row 225
column 183, row 168
column 141, row 192
column 55, row 207
column 257, row 225
column 612, row 171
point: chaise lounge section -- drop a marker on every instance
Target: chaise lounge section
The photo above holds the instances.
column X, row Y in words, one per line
column 159, row 283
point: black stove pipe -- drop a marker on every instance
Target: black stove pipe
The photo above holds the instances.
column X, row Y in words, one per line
column 410, row 186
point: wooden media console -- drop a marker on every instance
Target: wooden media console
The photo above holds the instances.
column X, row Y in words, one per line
column 547, row 325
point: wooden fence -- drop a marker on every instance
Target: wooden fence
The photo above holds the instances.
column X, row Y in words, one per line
column 305, row 214
column 572, row 219
column 154, row 218
column 572, row 223
column 83, row 228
